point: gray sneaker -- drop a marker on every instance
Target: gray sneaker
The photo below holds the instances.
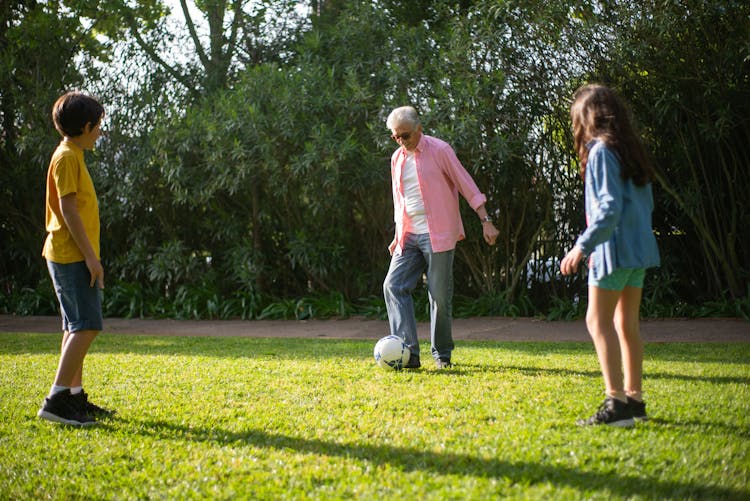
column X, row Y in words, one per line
column 611, row 412
column 638, row 409
column 443, row 363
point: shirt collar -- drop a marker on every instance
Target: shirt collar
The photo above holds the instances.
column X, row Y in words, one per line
column 420, row 146
column 70, row 144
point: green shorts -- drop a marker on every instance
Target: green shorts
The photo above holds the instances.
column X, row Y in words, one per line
column 619, row 279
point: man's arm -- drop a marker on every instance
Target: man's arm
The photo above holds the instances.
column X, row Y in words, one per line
column 469, row 190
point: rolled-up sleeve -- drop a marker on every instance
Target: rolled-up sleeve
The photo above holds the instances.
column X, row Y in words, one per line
column 461, row 178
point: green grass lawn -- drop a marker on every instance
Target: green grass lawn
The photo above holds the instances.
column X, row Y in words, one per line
column 213, row 418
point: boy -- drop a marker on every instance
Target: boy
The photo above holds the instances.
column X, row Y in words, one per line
column 72, row 253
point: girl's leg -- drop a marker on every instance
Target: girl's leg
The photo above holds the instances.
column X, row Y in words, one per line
column 600, row 323
column 628, row 326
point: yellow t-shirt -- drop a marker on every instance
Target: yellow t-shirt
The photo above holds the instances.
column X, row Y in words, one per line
column 68, row 174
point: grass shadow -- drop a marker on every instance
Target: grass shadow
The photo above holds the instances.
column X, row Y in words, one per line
column 556, row 371
column 501, row 368
column 413, row 459
column 700, row 427
column 736, row 353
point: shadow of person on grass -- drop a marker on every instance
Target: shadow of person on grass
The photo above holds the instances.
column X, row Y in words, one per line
column 446, row 463
column 704, row 428
column 501, row 368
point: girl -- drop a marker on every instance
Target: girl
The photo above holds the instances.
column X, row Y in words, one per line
column 619, row 242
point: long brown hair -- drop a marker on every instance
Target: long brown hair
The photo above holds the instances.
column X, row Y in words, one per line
column 598, row 113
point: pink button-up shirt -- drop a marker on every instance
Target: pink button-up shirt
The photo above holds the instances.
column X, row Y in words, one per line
column 441, row 178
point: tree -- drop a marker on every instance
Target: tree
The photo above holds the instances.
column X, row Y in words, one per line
column 685, row 67
column 39, row 44
column 216, row 38
column 247, row 154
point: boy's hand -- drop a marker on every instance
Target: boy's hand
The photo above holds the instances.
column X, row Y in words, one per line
column 97, row 272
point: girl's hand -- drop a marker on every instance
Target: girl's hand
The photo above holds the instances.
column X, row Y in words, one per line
column 569, row 264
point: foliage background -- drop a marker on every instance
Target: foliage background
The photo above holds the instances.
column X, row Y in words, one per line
column 245, row 171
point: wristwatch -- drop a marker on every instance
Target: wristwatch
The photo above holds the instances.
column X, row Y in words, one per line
column 486, row 219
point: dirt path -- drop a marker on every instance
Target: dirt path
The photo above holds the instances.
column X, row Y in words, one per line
column 479, row 328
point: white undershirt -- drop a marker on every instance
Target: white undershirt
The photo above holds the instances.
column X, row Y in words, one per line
column 416, row 220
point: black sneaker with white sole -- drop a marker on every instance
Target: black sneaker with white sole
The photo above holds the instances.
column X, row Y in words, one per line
column 611, row 412
column 87, row 407
column 638, row 409
column 63, row 408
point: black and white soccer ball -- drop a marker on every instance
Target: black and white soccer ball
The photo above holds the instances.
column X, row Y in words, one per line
column 391, row 353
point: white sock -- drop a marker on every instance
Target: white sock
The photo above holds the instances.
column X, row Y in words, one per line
column 74, row 390
column 635, row 395
column 57, row 389
column 618, row 395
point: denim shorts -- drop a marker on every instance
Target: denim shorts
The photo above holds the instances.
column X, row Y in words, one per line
column 620, row 278
column 80, row 304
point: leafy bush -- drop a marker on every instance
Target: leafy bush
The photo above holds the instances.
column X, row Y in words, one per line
column 39, row 300
column 268, row 177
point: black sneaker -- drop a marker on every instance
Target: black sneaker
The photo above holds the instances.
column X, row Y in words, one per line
column 62, row 407
column 638, row 409
column 82, row 400
column 611, row 412
column 443, row 363
column 413, row 362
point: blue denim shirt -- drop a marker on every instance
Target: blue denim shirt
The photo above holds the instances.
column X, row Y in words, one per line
column 618, row 212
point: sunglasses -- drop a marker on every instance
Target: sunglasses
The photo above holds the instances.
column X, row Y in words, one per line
column 404, row 137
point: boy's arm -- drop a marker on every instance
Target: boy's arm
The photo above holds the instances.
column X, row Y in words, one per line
column 74, row 223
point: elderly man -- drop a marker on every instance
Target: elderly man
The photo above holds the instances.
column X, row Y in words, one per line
column 426, row 178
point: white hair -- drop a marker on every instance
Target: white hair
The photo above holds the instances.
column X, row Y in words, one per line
column 405, row 115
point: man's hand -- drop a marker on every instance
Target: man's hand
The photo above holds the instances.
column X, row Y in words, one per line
column 490, row 232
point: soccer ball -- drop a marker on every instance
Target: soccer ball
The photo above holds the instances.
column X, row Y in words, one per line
column 391, row 353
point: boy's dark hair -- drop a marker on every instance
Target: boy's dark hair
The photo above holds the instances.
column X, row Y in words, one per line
column 598, row 112
column 73, row 110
